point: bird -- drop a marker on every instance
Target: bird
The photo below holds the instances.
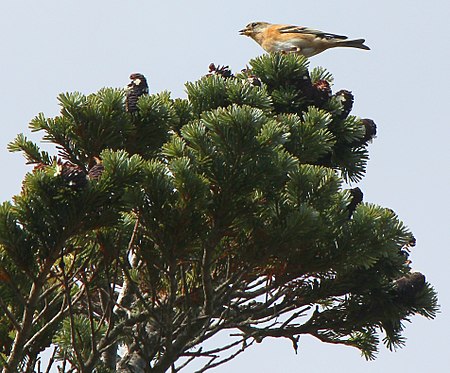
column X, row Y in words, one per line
column 297, row 39
column 136, row 88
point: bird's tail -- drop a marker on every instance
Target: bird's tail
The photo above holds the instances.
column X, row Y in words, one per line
column 357, row 43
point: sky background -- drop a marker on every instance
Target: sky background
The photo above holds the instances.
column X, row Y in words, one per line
column 49, row 47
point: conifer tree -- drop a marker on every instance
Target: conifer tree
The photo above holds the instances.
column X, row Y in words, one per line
column 151, row 230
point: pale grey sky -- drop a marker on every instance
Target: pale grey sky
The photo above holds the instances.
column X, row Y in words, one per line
column 53, row 46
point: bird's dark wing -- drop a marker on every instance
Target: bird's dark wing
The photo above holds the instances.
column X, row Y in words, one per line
column 307, row 30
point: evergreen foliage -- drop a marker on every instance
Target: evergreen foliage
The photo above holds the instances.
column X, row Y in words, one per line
column 227, row 210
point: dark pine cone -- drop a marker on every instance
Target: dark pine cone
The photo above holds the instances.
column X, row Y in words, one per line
column 252, row 79
column 305, row 85
column 223, row 71
column 407, row 287
column 357, row 197
column 321, row 92
column 73, row 175
column 135, row 89
column 346, row 99
column 96, row 168
column 371, row 130
column 96, row 171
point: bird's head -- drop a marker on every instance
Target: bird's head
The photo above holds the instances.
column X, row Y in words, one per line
column 254, row 28
column 137, row 80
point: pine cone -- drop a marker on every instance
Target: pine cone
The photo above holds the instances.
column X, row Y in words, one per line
column 406, row 249
column 357, row 197
column 407, row 287
column 305, row 85
column 251, row 78
column 135, row 89
column 371, row 130
column 96, row 168
column 254, row 80
column 322, row 92
column 223, row 71
column 346, row 99
column 96, row 171
column 73, row 175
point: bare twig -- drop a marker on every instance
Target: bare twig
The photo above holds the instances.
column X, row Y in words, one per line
column 47, row 291
column 295, row 315
column 90, row 313
column 211, row 365
column 125, row 293
column 215, row 350
column 10, row 316
column 186, row 363
column 80, row 359
column 12, row 285
column 56, row 319
column 27, row 319
column 206, row 279
column 52, row 360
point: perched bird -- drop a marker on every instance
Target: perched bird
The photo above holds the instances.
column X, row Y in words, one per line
column 297, row 39
column 136, row 88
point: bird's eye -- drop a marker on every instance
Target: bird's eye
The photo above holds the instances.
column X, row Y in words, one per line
column 253, row 24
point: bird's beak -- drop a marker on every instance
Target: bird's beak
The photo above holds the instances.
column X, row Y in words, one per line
column 244, row 31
